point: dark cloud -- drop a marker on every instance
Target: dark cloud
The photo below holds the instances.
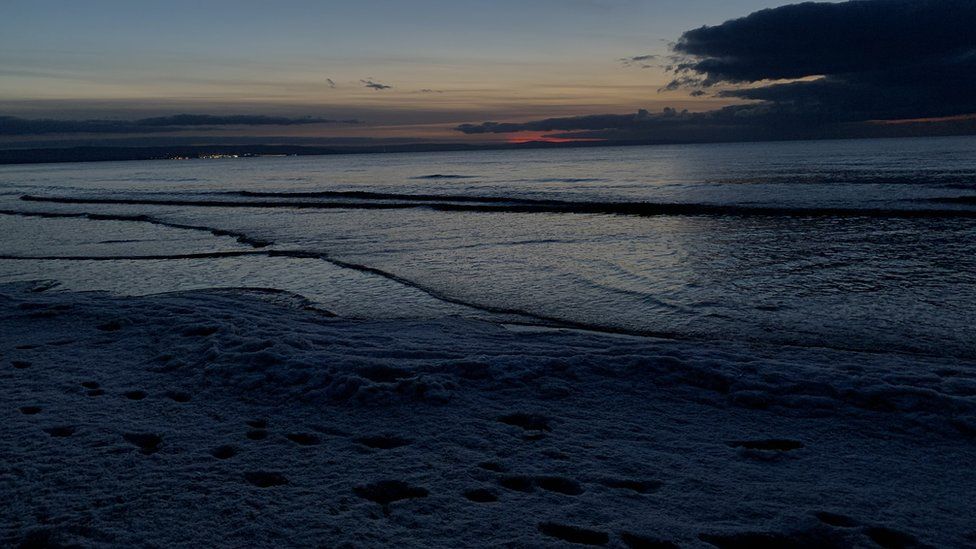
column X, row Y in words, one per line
column 234, row 120
column 851, row 61
column 370, row 83
column 668, row 125
column 808, row 70
column 819, row 38
column 761, row 121
column 10, row 125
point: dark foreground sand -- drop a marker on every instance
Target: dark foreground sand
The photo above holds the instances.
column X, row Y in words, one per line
column 245, row 419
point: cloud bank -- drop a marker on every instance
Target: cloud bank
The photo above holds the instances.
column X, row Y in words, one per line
column 807, row 70
column 592, row 122
column 10, row 125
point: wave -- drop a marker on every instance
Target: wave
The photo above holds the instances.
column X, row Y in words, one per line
column 514, row 315
column 566, row 180
column 448, row 203
column 528, row 317
column 240, row 237
column 944, row 178
column 444, row 176
column 155, row 257
column 369, row 195
column 967, row 200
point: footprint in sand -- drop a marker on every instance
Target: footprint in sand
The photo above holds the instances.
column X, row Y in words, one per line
column 524, row 483
column 94, row 389
column 112, row 326
column 259, row 429
column 30, row 410
column 43, row 287
column 224, row 452
column 200, row 331
column 639, row 486
column 559, row 485
column 834, row 519
column 20, row 364
column 529, row 422
column 60, row 431
column 892, row 539
column 386, row 492
column 303, row 439
column 768, row 445
column 265, row 479
column 384, row 374
column 481, row 495
column 574, row 534
column 331, row 431
column 638, row 541
column 386, row 442
column 135, row 395
column 178, row 396
column 798, row 538
column 518, row 483
column 493, row 466
column 148, row 443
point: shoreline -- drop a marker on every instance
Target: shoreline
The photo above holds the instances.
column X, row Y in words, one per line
column 82, row 153
column 237, row 417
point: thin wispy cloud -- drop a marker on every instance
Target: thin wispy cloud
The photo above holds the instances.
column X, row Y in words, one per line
column 372, row 84
column 640, row 61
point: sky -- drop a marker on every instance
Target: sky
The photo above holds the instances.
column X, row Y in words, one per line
column 425, row 69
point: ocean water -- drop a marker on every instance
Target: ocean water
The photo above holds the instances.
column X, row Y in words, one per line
column 866, row 245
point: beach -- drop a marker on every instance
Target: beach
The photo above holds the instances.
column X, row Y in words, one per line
column 251, row 417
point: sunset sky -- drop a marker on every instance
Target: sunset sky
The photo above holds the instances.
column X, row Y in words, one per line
column 400, row 69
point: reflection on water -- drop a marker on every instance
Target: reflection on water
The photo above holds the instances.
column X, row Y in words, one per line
column 874, row 282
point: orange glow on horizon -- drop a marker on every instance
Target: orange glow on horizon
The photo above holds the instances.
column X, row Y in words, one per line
column 542, row 137
column 957, row 118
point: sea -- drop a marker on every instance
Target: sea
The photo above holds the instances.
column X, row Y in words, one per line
column 863, row 245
